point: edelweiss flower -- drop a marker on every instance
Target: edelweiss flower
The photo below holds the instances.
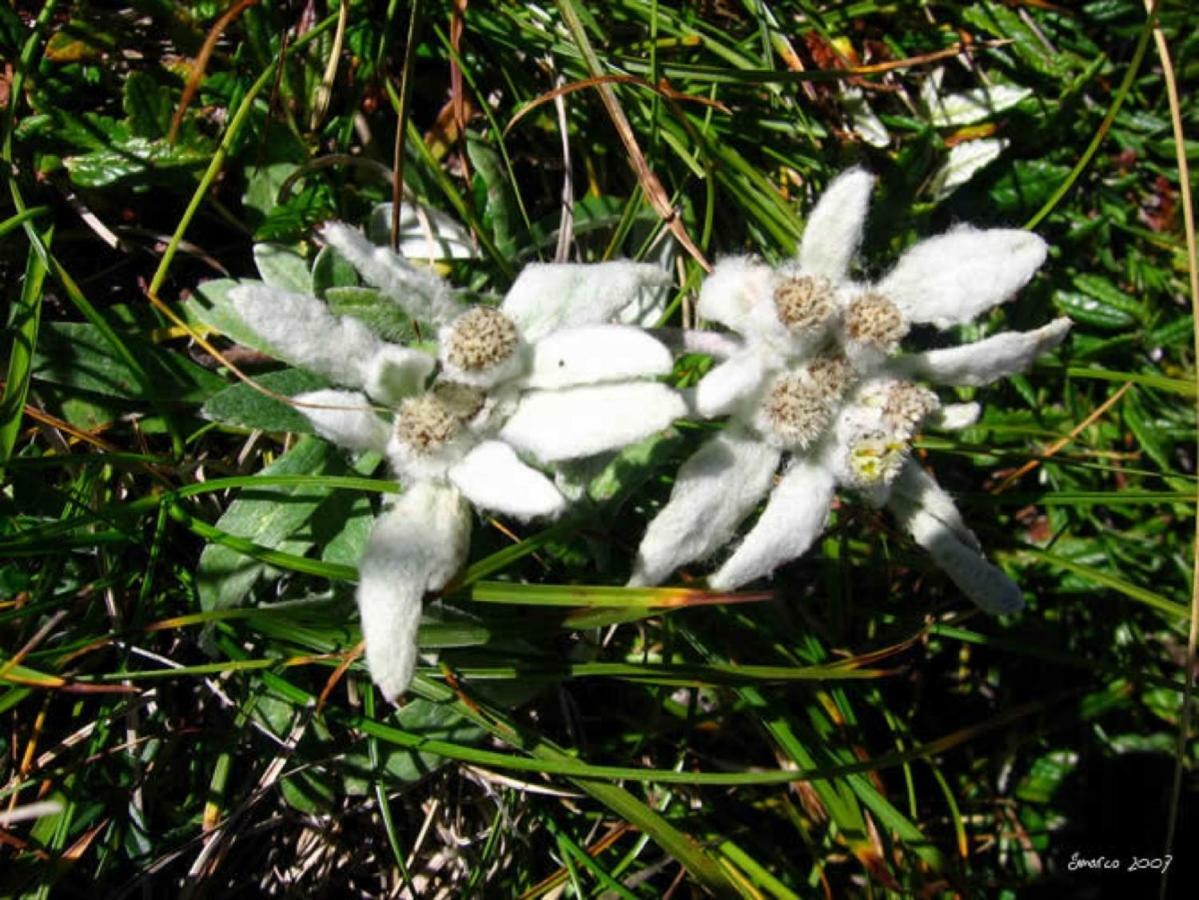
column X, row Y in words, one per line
column 817, row 381
column 557, row 395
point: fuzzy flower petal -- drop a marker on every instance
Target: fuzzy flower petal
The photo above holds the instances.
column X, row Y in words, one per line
column 591, row 354
column 344, row 418
column 955, row 416
column 304, row 333
column 955, row 277
column 734, row 380
column 415, row 547
column 930, row 516
column 736, row 286
column 981, row 581
column 582, row 421
column 983, row 361
column 915, row 488
column 492, row 477
column 713, row 492
column 418, row 292
column 549, row 296
column 834, row 229
column 793, row 518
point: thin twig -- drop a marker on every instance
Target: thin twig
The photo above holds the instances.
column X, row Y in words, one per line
column 397, row 160
column 1188, row 220
column 1057, row 445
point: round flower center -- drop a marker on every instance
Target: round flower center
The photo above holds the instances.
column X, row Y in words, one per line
column 876, row 458
column 804, row 302
column 796, row 410
column 425, row 423
column 461, row 400
column 831, row 375
column 480, row 339
column 906, row 405
column 875, row 320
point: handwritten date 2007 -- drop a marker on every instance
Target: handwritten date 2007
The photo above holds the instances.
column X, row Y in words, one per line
column 1114, row 863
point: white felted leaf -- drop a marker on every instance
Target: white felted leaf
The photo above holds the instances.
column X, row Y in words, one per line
column 415, row 547
column 967, row 107
column 301, row 330
column 834, row 229
column 493, row 478
column 344, row 418
column 955, row 277
column 581, row 421
column 591, row 354
column 725, row 386
column 916, row 490
column 978, row 579
column 955, row 416
column 713, row 492
column 425, row 233
column 735, row 287
column 964, row 160
column 396, row 372
column 793, row 518
column 866, row 124
column 418, row 292
column 549, row 296
column 983, row 361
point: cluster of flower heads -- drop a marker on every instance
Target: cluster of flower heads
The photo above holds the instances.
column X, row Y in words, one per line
column 812, row 382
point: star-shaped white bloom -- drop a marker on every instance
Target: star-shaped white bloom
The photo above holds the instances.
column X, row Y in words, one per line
column 510, row 383
column 817, row 383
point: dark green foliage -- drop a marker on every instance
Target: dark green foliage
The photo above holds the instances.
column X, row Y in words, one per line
column 173, row 624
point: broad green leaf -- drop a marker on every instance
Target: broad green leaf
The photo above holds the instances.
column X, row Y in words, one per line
column 137, row 156
column 329, row 270
column 1090, row 310
column 401, row 765
column 271, row 517
column 77, row 355
column 282, row 268
column 148, row 106
column 242, row 406
column 374, row 310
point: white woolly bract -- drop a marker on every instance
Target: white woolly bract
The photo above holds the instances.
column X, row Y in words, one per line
column 591, row 354
column 736, row 285
column 983, row 361
column 915, row 488
column 416, row 546
column 492, row 477
column 425, row 233
column 793, row 519
column 418, row 292
column 930, row 516
column 549, row 296
column 955, row 416
column 344, row 418
column 581, row 421
column 395, row 372
column 301, row 330
column 713, row 492
column 978, row 579
column 956, row 277
column 735, row 380
column 834, row 229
